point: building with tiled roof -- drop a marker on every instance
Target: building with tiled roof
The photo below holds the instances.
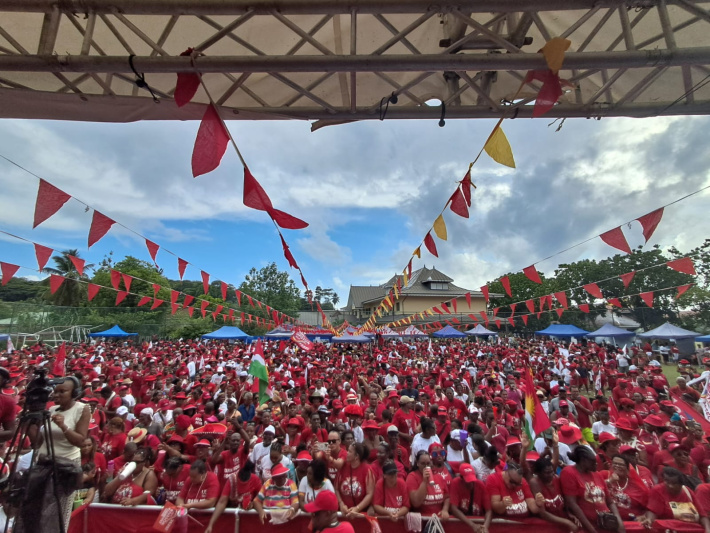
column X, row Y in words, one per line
column 428, row 287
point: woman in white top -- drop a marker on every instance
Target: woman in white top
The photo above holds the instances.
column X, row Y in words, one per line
column 315, row 482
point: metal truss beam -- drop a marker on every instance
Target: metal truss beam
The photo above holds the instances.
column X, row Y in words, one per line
column 346, row 63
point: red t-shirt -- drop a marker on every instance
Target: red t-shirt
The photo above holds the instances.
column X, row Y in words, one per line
column 113, row 445
column 554, row 501
column 659, row 501
column 471, row 502
column 352, row 483
column 100, row 463
column 391, row 498
column 435, row 494
column 332, row 471
column 495, row 485
column 173, row 485
column 209, row 488
column 232, row 462
column 240, row 492
column 630, row 498
column 406, row 423
column 702, row 495
column 589, row 489
column 127, row 489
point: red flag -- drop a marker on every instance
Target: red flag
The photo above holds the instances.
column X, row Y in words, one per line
column 49, row 201
column 156, row 288
column 182, row 265
column 174, row 308
column 43, row 254
column 203, row 307
column 562, row 298
column 594, row 290
column 59, row 361
column 238, row 294
column 614, row 301
column 615, row 237
column 473, row 317
column 8, row 271
column 255, row 197
column 681, row 290
column 540, row 420
column 468, row 298
column 626, row 278
column 174, row 295
column 93, row 290
column 466, row 187
column 484, row 290
column 549, row 93
column 543, row 301
column 120, row 296
column 219, row 308
column 127, row 281
column 511, row 321
column 287, row 253
column 497, row 323
column 532, row 274
column 437, row 310
column 55, row 282
column 506, row 285
column 445, row 308
column 649, row 222
column 559, row 311
column 187, row 85
column 430, row 245
column 530, row 305
column 190, row 310
column 152, row 249
column 458, row 203
column 115, row 279
column 100, row 224
column 251, row 302
column 455, row 305
column 684, row 265
column 495, row 311
column 512, row 309
column 584, row 308
column 525, row 319
column 647, row 298
column 187, row 301
column 210, row 143
column 484, row 316
column 205, row 281
column 144, row 300
column 156, row 303
column 223, row 286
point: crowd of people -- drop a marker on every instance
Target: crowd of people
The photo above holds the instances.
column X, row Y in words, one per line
column 398, row 431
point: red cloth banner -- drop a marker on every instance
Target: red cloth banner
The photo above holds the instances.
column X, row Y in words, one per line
column 594, row 290
column 93, row 290
column 182, row 265
column 43, row 254
column 78, row 264
column 8, row 271
column 127, row 281
column 506, row 285
column 152, row 249
column 223, row 287
column 484, row 290
column 302, row 341
column 684, row 265
column 559, row 311
column 468, row 298
column 681, row 290
column 210, row 143
column 174, row 295
column 430, row 245
column 615, row 301
column 205, row 281
column 120, row 296
column 238, row 294
column 187, row 301
column 203, row 307
column 525, row 319
column 255, row 197
column 445, row 308
column 532, row 274
column 549, row 93
column 100, row 224
column 287, row 253
column 458, row 203
column 49, row 200
column 187, row 84
column 584, row 308
column 530, row 304
column 144, row 300
column 156, row 288
column 55, row 282
column 562, row 298
column 174, row 308
column 627, row 278
column 466, row 185
column 647, row 297
column 115, row 279
column 615, row 238
column 156, row 303
column 649, row 222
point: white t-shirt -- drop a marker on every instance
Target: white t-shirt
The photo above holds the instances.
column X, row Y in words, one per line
column 482, row 471
column 563, row 449
column 600, row 427
column 309, row 493
column 420, row 443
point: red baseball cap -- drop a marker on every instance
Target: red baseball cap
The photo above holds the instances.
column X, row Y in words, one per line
column 467, row 472
column 325, row 501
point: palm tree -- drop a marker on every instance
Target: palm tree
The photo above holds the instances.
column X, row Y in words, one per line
column 71, row 293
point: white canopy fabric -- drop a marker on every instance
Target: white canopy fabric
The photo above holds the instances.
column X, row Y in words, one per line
column 480, row 331
column 668, row 331
column 412, row 331
column 337, row 62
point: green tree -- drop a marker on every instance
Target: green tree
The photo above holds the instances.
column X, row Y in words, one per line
column 273, row 287
column 144, row 275
column 21, row 290
column 71, row 293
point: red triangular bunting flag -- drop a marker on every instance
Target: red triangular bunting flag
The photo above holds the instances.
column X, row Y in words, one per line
column 458, row 203
column 525, row 319
column 156, row 288
column 497, row 323
column 255, row 197
column 532, row 274
column 251, row 302
column 287, row 253
column 543, row 301
column 223, row 286
column 152, row 249
column 144, row 300
column 120, row 296
column 626, row 278
column 182, row 265
column 8, row 271
column 506, row 285
column 559, row 311
column 205, row 281
column 594, row 290
column 100, row 224
column 156, row 303
column 473, row 317
column 647, row 298
column 49, row 201
column 437, row 311
column 430, row 245
column 614, row 301
column 210, row 143
column 43, row 254
column 187, row 85
column 530, row 305
column 495, row 311
column 445, row 308
column 115, row 279
column 615, row 238
column 455, row 305
column 512, row 309
column 584, row 308
column 190, row 310
column 188, row 300
column 174, row 295
column 127, row 281
column 468, row 298
column 466, row 187
column 549, row 93
column 93, row 290
column 484, row 290
column 174, row 307
column 203, row 307
column 538, row 314
column 238, row 294
column 484, row 316
column 684, row 265
column 649, row 222
column 681, row 290
column 562, row 298
column 55, row 282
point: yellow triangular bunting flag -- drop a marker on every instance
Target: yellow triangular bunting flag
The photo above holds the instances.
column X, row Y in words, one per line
column 499, row 149
column 418, row 252
column 440, row 227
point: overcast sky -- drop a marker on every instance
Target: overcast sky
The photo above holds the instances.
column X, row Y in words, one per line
column 370, row 191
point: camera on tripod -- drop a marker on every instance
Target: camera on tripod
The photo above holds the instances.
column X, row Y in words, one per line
column 38, row 391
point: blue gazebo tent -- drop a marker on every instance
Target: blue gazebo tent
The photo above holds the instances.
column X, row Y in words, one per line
column 562, row 330
column 611, row 331
column 481, row 331
column 227, row 333
column 113, row 332
column 355, row 339
column 279, row 333
column 704, row 338
column 448, row 333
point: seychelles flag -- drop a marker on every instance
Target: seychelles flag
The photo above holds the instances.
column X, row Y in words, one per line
column 258, row 369
column 536, row 419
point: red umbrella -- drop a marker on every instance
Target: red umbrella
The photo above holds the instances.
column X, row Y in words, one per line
column 213, row 429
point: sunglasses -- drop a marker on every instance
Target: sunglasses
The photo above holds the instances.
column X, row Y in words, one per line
column 442, row 453
column 333, row 441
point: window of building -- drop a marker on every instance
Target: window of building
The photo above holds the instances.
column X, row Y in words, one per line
column 397, row 308
column 439, row 286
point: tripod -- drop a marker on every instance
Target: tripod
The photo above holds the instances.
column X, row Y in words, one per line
column 18, row 485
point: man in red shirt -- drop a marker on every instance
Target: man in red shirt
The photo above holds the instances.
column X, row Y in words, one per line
column 325, row 514
column 406, row 421
column 455, row 407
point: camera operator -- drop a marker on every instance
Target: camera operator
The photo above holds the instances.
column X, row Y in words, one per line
column 8, row 415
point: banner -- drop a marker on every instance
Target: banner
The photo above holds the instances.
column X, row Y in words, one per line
column 302, row 341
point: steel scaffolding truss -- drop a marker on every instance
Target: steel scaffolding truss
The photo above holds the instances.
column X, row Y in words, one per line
column 338, row 61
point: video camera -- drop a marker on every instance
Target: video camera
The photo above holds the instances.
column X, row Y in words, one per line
column 38, row 391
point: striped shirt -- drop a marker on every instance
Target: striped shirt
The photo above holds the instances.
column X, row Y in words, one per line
column 274, row 497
